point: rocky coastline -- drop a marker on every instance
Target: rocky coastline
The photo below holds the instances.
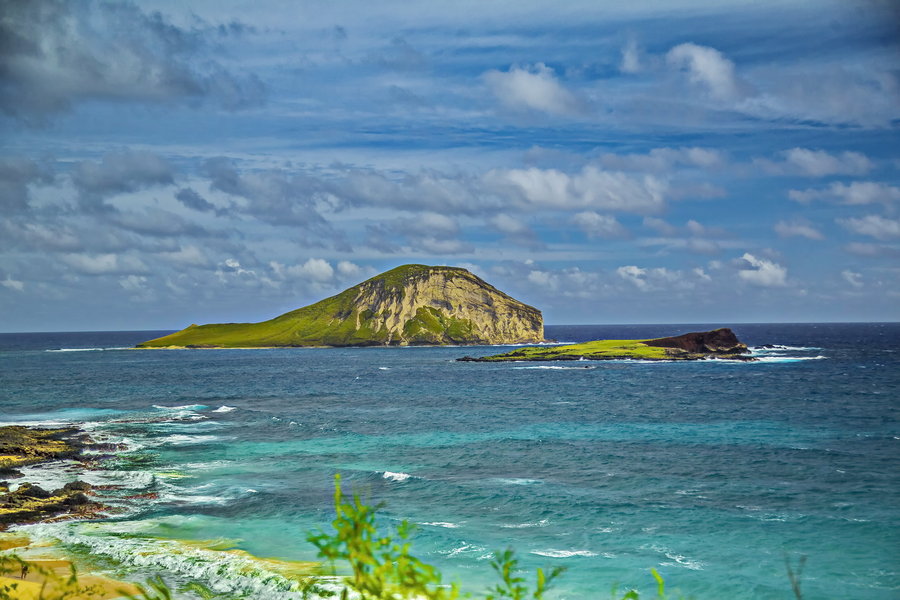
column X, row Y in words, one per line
column 25, row 502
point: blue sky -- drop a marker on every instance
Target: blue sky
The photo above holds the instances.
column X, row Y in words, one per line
column 164, row 163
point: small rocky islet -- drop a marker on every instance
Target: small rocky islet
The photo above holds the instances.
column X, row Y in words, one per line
column 718, row 343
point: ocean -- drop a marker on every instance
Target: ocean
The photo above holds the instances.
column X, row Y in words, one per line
column 715, row 473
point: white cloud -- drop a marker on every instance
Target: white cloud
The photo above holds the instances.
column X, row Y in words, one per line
column 509, row 225
column 708, row 67
column 192, row 256
column 590, row 188
column 634, row 274
column 13, row 284
column 660, row 226
column 317, row 270
column 133, row 283
column 853, row 278
column 631, row 58
column 762, row 272
column 816, row 163
column 348, row 269
column 855, row 193
column 798, row 229
column 103, row 264
column 660, row 160
column 874, row 226
column 596, row 225
column 533, row 88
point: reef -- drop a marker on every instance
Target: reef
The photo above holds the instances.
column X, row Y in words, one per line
column 28, row 503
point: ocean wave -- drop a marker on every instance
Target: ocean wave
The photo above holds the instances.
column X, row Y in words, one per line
column 227, row 573
column 444, row 524
column 181, row 407
column 553, row 367
column 563, row 553
column 224, row 409
column 517, row 481
column 541, row 523
column 88, row 349
column 395, row 476
column 464, row 548
column 678, row 559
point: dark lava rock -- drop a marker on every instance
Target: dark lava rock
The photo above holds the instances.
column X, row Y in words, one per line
column 718, row 341
column 76, row 486
column 28, row 490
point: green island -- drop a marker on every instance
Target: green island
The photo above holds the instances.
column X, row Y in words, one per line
column 719, row 343
column 408, row 305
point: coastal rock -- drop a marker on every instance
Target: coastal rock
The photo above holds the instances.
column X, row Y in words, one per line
column 717, row 341
column 409, row 305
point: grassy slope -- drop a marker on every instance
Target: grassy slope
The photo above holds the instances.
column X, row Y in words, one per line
column 329, row 322
column 596, row 350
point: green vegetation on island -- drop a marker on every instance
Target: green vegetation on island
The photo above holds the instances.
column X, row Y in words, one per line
column 719, row 343
column 408, row 305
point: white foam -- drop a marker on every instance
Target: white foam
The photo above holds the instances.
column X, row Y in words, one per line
column 183, row 440
column 384, row 368
column 441, row 524
column 556, row 368
column 679, row 559
column 396, row 476
column 541, row 523
column 563, row 553
column 182, row 407
column 464, row 548
column 224, row 409
column 226, row 573
column 87, row 349
column 517, row 481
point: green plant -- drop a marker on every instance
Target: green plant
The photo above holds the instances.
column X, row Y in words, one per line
column 53, row 586
column 382, row 566
column 512, row 586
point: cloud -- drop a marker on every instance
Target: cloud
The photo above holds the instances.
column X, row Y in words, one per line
column 660, row 160
column 599, row 226
column 816, row 163
column 853, row 278
column 17, row 175
column 533, row 88
column 708, row 68
column 590, row 188
column 56, row 54
column 121, row 172
column 857, row 192
column 762, row 272
column 13, row 284
column 104, row 264
column 874, row 226
column 631, row 58
column 194, row 201
column 798, row 229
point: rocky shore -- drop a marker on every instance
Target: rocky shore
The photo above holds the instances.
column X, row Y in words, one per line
column 25, row 502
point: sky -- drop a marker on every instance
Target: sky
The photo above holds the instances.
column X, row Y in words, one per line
column 168, row 162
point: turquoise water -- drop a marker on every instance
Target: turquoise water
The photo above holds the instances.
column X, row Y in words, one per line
column 712, row 472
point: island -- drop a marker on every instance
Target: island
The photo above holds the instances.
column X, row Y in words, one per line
column 408, row 305
column 719, row 343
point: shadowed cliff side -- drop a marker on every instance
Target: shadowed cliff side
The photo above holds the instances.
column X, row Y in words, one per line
column 408, row 305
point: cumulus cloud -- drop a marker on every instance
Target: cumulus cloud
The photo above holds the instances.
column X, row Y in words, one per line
column 816, row 163
column 762, row 272
column 104, row 264
column 875, row 226
column 13, row 284
column 631, row 58
column 56, row 54
column 798, row 229
column 853, row 278
column 595, row 225
column 590, row 188
column 191, row 199
column 533, row 88
column 708, row 68
column 857, row 192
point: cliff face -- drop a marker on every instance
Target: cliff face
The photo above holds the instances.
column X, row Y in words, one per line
column 412, row 304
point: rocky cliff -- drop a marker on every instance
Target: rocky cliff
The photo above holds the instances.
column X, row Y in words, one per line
column 412, row 304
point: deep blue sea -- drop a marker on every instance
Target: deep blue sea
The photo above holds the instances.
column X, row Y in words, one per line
column 712, row 472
